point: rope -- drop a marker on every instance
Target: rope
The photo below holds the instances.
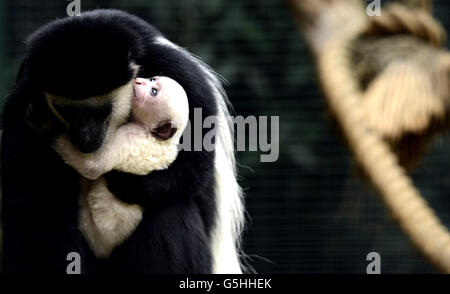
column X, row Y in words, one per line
column 399, row 19
column 344, row 97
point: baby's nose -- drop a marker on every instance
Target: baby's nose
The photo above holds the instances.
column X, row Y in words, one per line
column 145, row 89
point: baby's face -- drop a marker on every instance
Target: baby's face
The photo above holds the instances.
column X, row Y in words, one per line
column 160, row 104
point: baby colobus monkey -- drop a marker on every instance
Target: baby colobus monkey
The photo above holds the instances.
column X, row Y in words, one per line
column 159, row 115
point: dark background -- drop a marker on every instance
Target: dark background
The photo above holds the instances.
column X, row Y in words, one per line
column 308, row 212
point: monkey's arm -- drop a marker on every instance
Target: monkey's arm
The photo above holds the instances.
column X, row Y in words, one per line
column 132, row 149
column 137, row 151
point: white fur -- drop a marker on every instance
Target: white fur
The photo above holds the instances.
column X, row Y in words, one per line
column 226, row 235
column 104, row 220
column 144, row 153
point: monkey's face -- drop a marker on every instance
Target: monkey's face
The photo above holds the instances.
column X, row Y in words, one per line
column 91, row 118
column 84, row 70
column 91, row 121
column 160, row 104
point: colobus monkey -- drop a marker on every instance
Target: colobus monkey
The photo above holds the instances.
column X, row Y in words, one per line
column 78, row 76
column 149, row 142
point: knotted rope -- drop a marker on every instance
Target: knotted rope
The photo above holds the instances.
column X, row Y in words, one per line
column 344, row 97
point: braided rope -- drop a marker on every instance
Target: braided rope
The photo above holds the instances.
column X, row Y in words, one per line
column 397, row 19
column 344, row 97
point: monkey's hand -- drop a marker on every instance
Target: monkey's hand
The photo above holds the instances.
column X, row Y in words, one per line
column 90, row 166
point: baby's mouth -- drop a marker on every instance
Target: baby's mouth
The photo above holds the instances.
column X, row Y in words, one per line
column 165, row 130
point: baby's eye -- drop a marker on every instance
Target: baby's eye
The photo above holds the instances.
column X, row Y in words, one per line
column 152, row 79
column 154, row 92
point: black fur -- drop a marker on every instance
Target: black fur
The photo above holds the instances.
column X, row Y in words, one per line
column 79, row 57
column 88, row 125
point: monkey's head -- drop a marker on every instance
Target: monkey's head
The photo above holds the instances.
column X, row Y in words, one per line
column 161, row 105
column 84, row 68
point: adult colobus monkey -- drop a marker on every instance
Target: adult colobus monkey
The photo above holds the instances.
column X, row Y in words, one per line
column 77, row 76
